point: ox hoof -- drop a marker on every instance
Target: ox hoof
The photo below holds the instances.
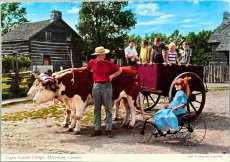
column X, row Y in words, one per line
column 70, row 130
column 65, row 125
column 130, row 127
column 124, row 126
column 77, row 132
column 117, row 119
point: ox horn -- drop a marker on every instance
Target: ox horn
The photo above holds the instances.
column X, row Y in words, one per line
column 36, row 76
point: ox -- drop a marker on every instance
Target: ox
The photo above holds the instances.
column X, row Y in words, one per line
column 78, row 94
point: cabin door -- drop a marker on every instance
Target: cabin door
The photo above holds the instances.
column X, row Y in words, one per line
column 47, row 60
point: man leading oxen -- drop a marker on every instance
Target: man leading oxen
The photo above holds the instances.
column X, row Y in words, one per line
column 103, row 73
column 74, row 89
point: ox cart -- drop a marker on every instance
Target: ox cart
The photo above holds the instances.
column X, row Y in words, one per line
column 158, row 80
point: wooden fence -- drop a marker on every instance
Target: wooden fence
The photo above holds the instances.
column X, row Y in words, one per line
column 216, row 73
column 14, row 81
column 212, row 74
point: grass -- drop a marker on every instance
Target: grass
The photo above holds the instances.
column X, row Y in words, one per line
column 56, row 112
column 42, row 113
column 221, row 88
column 16, row 103
column 4, row 85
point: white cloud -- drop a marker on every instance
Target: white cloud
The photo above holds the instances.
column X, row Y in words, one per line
column 205, row 23
column 151, row 30
column 194, row 1
column 29, row 3
column 188, row 20
column 31, row 14
column 188, row 26
column 164, row 19
column 73, row 10
column 54, row 7
column 148, row 9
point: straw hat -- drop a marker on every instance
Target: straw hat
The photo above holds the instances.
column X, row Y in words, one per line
column 100, row 50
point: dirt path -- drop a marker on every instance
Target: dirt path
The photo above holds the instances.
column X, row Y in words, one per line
column 47, row 136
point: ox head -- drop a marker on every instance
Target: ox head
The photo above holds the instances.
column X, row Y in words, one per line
column 34, row 88
column 43, row 94
column 42, row 90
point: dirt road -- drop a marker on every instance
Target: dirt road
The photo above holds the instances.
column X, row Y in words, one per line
column 47, row 135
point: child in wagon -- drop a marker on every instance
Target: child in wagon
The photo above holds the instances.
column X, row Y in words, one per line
column 186, row 54
column 171, row 54
column 166, row 119
column 144, row 53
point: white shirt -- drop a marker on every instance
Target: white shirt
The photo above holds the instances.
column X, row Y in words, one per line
column 131, row 51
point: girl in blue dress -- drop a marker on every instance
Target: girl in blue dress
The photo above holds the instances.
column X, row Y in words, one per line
column 166, row 119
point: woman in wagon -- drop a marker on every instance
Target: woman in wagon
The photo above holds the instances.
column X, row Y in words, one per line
column 171, row 54
column 144, row 53
column 158, row 52
column 131, row 53
column 166, row 119
column 186, row 54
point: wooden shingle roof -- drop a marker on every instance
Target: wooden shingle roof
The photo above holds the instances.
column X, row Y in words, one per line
column 25, row 31
column 222, row 34
column 225, row 43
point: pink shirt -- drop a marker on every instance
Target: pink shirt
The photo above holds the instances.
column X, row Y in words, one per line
column 102, row 69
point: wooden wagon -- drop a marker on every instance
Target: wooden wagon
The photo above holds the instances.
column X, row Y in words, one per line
column 158, row 80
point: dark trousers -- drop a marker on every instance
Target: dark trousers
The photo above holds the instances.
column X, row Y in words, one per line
column 102, row 94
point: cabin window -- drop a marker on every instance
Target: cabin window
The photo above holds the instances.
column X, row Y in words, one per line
column 47, row 60
column 68, row 37
column 48, row 35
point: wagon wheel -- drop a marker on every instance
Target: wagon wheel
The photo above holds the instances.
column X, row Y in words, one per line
column 150, row 100
column 191, row 132
column 196, row 100
column 143, row 132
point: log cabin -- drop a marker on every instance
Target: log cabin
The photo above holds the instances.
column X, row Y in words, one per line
column 47, row 43
column 220, row 41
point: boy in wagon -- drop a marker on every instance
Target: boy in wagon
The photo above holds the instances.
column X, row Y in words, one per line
column 166, row 119
column 158, row 52
column 186, row 54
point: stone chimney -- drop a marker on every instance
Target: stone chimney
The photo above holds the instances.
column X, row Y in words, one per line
column 226, row 18
column 55, row 15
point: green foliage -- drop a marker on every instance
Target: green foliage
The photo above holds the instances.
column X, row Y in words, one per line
column 176, row 38
column 150, row 38
column 104, row 24
column 24, row 62
column 11, row 16
column 8, row 63
column 22, row 92
column 201, row 48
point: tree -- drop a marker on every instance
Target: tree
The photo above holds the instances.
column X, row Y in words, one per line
column 201, row 48
column 176, row 38
column 8, row 63
column 104, row 24
column 151, row 38
column 11, row 16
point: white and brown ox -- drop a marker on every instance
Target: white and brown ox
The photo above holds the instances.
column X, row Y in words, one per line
column 76, row 94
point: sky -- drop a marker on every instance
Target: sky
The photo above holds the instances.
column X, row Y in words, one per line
column 156, row 16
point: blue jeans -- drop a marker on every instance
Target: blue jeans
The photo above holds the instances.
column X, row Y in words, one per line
column 102, row 94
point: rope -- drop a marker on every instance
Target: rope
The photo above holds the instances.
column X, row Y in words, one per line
column 71, row 60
